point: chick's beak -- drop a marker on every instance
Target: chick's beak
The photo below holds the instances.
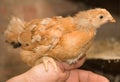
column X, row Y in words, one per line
column 112, row 20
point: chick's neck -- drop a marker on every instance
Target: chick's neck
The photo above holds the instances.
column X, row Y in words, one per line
column 84, row 24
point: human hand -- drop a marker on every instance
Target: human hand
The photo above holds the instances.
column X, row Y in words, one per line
column 65, row 73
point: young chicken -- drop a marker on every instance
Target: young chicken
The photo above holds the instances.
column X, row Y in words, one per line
column 62, row 39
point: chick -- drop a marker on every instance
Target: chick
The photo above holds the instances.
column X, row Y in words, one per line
column 58, row 38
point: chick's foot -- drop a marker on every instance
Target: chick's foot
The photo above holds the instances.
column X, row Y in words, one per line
column 45, row 61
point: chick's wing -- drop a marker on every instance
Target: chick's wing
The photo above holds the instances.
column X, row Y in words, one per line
column 43, row 35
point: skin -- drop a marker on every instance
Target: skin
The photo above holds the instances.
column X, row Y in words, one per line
column 64, row 73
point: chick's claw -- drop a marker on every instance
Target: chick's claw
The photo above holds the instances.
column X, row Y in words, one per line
column 45, row 61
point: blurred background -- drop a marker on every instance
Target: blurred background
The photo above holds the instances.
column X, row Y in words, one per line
column 103, row 57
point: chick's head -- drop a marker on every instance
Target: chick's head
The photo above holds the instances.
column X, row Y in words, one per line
column 100, row 17
column 95, row 17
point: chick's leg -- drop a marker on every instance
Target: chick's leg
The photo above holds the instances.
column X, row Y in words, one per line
column 45, row 61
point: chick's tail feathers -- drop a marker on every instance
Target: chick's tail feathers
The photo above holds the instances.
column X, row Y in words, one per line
column 16, row 25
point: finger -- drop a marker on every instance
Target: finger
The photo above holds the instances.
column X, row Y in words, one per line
column 85, row 76
column 38, row 74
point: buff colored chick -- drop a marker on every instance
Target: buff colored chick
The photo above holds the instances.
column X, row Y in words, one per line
column 58, row 38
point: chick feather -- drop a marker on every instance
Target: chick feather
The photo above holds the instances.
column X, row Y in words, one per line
column 58, row 38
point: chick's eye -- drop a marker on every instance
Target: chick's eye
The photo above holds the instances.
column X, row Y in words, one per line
column 27, row 44
column 101, row 17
